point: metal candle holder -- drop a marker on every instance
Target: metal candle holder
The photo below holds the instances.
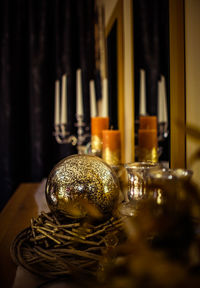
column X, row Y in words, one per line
column 63, row 136
column 81, row 134
column 163, row 131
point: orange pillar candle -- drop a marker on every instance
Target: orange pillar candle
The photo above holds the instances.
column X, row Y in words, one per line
column 148, row 122
column 148, row 142
column 98, row 124
column 147, row 138
column 111, row 147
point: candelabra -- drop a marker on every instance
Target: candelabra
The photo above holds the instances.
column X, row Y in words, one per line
column 82, row 134
column 63, row 136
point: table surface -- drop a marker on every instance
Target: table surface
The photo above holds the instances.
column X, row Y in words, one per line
column 15, row 217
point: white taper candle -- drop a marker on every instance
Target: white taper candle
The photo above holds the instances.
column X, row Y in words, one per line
column 93, row 104
column 57, row 103
column 105, row 98
column 64, row 100
column 142, row 102
column 79, row 96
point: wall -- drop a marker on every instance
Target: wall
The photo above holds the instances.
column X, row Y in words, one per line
column 192, row 54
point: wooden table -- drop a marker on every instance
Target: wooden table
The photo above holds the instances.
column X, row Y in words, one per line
column 15, row 217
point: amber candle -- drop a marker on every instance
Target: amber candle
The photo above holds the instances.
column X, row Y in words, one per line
column 148, row 122
column 147, row 142
column 98, row 124
column 111, row 152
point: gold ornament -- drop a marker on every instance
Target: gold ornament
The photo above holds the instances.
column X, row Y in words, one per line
column 79, row 179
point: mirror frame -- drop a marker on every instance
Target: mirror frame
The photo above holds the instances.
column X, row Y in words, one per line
column 177, row 84
column 117, row 15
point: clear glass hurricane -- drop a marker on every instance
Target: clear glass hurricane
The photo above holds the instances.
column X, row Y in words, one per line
column 160, row 179
column 136, row 190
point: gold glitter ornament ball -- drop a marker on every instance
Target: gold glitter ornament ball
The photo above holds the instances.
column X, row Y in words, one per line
column 82, row 179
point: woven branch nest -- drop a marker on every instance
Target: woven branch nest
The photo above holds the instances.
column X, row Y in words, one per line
column 52, row 248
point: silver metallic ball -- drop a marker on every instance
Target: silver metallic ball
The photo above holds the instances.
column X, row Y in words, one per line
column 81, row 179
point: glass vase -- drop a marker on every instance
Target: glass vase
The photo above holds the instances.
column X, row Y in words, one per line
column 137, row 173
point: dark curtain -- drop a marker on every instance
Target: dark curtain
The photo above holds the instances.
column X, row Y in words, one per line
column 39, row 41
column 112, row 76
column 151, row 48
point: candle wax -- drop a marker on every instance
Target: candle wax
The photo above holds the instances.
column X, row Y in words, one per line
column 93, row 104
column 111, row 139
column 147, row 138
column 57, row 103
column 79, row 96
column 148, row 122
column 98, row 124
column 64, row 100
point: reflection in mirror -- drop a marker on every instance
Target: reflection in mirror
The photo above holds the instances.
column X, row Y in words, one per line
column 112, row 75
column 151, row 67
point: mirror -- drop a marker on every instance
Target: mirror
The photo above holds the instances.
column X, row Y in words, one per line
column 151, row 69
column 162, row 56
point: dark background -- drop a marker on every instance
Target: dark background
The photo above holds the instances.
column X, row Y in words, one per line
column 112, row 76
column 151, row 48
column 39, row 41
